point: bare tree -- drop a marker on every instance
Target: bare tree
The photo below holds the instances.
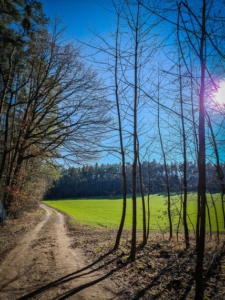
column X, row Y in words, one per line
column 166, row 171
column 144, row 239
column 184, row 140
column 218, row 168
column 55, row 104
column 120, row 133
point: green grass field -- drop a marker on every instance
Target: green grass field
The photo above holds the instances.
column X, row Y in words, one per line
column 106, row 213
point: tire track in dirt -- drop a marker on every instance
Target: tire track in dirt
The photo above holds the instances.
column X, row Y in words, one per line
column 43, row 266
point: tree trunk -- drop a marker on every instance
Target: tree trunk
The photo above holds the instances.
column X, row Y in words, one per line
column 186, row 232
column 135, row 150
column 119, row 233
column 167, row 176
column 219, row 170
column 149, row 184
column 200, row 230
column 144, row 242
column 216, row 215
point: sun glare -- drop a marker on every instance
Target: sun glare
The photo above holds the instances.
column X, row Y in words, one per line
column 219, row 97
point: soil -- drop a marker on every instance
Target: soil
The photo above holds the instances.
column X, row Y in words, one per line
column 43, row 266
column 46, row 255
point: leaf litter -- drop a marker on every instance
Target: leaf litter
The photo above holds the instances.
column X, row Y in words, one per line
column 163, row 269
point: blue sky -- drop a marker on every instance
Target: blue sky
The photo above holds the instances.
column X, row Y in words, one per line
column 79, row 15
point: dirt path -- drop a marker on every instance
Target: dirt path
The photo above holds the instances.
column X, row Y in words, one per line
column 43, row 266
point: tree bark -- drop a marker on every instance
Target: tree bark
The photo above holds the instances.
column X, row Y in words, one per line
column 200, row 230
column 135, row 150
column 166, row 175
column 119, row 233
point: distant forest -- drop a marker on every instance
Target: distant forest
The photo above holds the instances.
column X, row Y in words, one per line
column 106, row 180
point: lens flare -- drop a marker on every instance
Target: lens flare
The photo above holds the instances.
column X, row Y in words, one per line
column 219, row 96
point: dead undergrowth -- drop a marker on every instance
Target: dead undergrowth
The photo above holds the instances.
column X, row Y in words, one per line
column 163, row 269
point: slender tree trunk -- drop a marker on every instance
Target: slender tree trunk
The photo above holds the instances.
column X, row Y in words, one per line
column 186, row 232
column 180, row 212
column 135, row 150
column 219, row 170
column 148, row 220
column 167, row 176
column 119, row 233
column 200, row 230
column 216, row 215
column 149, row 184
column 209, row 218
column 144, row 242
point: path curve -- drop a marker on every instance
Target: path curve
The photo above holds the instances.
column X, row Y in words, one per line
column 43, row 266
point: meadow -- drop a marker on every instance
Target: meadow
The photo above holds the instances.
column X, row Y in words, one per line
column 106, row 212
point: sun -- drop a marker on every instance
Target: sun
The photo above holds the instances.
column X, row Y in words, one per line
column 219, row 97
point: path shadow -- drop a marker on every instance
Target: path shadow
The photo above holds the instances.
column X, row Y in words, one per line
column 74, row 275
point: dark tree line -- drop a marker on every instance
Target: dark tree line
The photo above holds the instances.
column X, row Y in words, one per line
column 106, row 180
